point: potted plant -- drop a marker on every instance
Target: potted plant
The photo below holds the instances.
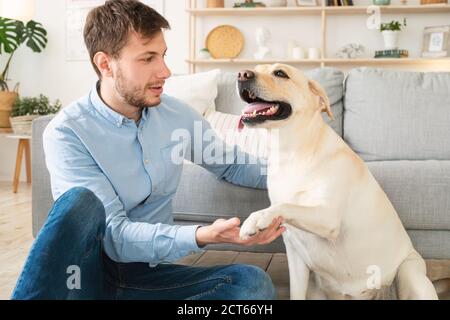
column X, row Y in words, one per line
column 13, row 34
column 204, row 54
column 25, row 110
column 390, row 32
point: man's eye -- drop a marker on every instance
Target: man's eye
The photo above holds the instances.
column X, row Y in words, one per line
column 150, row 59
column 280, row 74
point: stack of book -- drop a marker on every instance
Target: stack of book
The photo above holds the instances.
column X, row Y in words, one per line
column 335, row 3
column 396, row 53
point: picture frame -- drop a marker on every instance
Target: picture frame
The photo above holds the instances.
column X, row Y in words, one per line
column 436, row 42
column 306, row 3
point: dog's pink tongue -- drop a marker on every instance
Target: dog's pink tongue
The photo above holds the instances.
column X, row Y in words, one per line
column 257, row 106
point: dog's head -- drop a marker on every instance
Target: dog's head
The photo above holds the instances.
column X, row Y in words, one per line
column 275, row 93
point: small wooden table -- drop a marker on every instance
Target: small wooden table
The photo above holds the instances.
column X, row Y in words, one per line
column 24, row 145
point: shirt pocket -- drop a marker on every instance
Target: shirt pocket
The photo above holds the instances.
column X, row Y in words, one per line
column 172, row 156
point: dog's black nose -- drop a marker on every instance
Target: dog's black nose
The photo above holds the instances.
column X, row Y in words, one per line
column 246, row 75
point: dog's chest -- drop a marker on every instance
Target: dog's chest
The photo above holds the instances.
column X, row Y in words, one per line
column 301, row 188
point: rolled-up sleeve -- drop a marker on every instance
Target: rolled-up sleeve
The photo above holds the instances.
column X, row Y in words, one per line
column 71, row 165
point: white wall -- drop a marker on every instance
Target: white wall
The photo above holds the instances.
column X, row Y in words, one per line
column 49, row 72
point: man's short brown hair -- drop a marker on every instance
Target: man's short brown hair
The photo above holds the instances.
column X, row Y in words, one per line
column 108, row 26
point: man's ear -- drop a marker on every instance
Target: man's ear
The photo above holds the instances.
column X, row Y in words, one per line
column 324, row 103
column 103, row 63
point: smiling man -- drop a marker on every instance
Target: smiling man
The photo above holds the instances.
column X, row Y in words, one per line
column 113, row 179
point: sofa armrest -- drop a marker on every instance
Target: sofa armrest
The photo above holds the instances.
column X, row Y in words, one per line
column 42, row 199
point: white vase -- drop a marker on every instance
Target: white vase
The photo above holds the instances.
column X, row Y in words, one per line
column 276, row 3
column 204, row 55
column 390, row 39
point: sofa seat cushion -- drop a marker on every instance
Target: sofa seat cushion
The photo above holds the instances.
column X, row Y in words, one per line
column 419, row 191
column 394, row 115
column 212, row 198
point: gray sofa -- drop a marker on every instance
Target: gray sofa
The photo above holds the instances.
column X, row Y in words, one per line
column 398, row 122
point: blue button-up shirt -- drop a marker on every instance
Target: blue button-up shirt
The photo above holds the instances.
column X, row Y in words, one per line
column 134, row 170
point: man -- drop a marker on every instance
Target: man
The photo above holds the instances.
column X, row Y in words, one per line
column 110, row 233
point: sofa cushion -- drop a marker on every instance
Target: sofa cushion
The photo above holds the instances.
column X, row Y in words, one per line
column 331, row 79
column 431, row 244
column 419, row 191
column 198, row 90
column 212, row 198
column 251, row 140
column 394, row 115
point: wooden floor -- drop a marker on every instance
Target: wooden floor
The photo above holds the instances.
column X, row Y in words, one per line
column 15, row 234
column 16, row 239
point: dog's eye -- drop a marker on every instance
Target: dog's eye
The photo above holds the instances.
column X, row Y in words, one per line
column 280, row 74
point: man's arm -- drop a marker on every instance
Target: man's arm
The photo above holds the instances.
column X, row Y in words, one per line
column 71, row 165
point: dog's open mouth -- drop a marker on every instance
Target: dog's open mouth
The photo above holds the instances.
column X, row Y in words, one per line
column 260, row 110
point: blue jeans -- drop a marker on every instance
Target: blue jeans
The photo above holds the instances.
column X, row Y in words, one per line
column 67, row 261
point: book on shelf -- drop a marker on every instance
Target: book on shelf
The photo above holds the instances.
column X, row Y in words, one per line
column 395, row 53
column 339, row 3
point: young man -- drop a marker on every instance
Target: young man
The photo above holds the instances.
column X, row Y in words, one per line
column 110, row 233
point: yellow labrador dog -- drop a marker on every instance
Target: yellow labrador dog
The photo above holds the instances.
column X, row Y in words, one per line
column 344, row 239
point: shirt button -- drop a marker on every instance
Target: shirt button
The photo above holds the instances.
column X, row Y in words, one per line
column 146, row 161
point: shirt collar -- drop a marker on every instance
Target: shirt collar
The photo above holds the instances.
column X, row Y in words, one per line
column 116, row 118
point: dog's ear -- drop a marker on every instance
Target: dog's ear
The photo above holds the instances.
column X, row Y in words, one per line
column 324, row 103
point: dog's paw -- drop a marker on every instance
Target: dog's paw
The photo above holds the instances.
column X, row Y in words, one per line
column 248, row 228
column 256, row 222
column 264, row 221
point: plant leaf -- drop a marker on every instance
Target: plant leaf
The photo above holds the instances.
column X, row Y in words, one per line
column 35, row 36
column 10, row 35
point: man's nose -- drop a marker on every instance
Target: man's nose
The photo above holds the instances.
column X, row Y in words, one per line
column 165, row 72
column 246, row 75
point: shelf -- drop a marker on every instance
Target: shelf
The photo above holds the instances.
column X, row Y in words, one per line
column 380, row 61
column 429, row 8
column 323, row 13
column 255, row 11
column 252, row 61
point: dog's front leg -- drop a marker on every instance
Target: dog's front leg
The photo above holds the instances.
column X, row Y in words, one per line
column 299, row 272
column 324, row 222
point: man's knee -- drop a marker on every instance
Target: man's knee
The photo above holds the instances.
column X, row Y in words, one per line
column 251, row 283
column 80, row 206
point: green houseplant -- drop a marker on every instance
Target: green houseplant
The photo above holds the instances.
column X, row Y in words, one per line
column 13, row 34
column 26, row 109
column 390, row 32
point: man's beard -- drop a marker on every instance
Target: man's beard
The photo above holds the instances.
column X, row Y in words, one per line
column 131, row 95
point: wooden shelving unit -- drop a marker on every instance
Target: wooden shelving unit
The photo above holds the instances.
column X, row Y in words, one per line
column 431, row 8
column 321, row 11
column 328, row 61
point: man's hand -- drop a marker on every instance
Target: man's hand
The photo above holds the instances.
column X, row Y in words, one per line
column 227, row 231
